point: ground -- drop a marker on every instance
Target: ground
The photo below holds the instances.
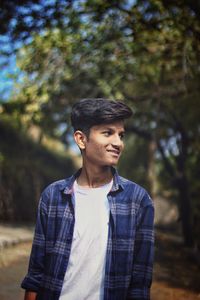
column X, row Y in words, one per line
column 176, row 274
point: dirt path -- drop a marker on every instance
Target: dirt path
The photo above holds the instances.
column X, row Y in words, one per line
column 176, row 274
column 176, row 277
column 13, row 266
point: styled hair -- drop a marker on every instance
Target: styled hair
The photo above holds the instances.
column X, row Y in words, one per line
column 90, row 112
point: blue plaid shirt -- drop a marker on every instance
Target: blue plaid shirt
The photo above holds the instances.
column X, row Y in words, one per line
column 130, row 247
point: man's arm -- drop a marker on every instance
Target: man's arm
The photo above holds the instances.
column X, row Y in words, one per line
column 30, row 295
column 32, row 280
column 143, row 253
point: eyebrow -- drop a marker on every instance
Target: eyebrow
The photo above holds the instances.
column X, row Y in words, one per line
column 112, row 129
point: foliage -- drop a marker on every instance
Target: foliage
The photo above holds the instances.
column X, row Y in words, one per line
column 134, row 161
column 146, row 52
column 25, row 169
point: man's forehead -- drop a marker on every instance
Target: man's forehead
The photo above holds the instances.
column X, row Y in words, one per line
column 118, row 125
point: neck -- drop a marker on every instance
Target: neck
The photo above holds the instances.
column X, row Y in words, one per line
column 92, row 176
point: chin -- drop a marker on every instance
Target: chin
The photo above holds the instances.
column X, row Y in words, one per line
column 110, row 164
column 113, row 163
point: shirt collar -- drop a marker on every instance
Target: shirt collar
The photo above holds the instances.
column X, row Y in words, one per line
column 117, row 181
column 67, row 186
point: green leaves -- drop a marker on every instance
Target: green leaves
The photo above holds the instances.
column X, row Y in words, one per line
column 145, row 52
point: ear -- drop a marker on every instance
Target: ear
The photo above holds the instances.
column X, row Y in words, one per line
column 80, row 139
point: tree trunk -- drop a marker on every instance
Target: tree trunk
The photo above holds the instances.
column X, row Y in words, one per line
column 151, row 167
column 185, row 211
column 183, row 188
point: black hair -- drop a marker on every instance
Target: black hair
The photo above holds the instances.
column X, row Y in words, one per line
column 90, row 112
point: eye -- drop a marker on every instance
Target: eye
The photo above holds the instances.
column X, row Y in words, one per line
column 121, row 135
column 106, row 133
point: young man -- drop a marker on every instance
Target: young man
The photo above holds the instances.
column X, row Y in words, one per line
column 94, row 232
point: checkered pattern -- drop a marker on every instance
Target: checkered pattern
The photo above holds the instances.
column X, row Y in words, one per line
column 129, row 259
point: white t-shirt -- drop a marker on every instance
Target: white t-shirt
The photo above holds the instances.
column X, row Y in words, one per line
column 84, row 278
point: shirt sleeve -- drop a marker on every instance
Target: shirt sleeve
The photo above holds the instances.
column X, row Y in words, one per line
column 34, row 276
column 143, row 253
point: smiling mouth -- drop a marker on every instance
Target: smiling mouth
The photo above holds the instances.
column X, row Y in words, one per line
column 114, row 152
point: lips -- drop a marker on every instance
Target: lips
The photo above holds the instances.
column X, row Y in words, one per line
column 114, row 152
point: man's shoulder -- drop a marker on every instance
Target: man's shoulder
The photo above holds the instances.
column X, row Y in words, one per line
column 130, row 184
column 59, row 185
column 136, row 191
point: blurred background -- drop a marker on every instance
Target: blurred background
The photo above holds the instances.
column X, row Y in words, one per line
column 146, row 53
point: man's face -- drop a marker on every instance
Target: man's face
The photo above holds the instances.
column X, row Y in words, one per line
column 104, row 145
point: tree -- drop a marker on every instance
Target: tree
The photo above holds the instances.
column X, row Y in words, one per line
column 146, row 52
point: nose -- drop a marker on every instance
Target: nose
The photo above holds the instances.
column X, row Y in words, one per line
column 117, row 141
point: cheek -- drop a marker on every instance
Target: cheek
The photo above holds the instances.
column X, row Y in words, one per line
column 95, row 149
column 99, row 149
